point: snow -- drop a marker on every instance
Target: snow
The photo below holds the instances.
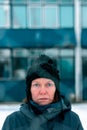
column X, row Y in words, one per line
column 5, row 110
column 80, row 109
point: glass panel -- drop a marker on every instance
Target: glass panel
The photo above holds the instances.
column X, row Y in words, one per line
column 52, row 52
column 50, row 1
column 12, row 91
column 4, row 67
column 4, row 16
column 35, row 17
column 67, row 68
column 67, row 52
column 4, row 1
column 35, row 52
column 67, row 82
column 19, row 63
column 67, row 1
column 20, row 53
column 83, row 1
column 19, row 1
column 19, row 16
column 34, row 1
column 50, row 16
column 19, row 67
column 84, row 16
column 67, row 88
column 84, row 52
column 5, row 64
column 66, row 16
column 84, row 70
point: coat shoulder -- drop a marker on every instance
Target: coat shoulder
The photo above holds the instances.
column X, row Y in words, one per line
column 72, row 119
column 71, row 115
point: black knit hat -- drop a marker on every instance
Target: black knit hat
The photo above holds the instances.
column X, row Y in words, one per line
column 43, row 67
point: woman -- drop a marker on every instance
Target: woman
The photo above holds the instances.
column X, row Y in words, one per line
column 45, row 108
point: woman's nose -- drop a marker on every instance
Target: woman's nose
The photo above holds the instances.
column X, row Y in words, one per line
column 43, row 90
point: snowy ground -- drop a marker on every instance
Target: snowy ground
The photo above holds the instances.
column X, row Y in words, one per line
column 80, row 109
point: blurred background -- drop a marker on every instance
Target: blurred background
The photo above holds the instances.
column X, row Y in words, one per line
column 29, row 28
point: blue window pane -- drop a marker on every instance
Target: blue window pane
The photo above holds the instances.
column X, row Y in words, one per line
column 51, row 1
column 83, row 1
column 50, row 17
column 35, row 1
column 19, row 67
column 84, row 16
column 67, row 68
column 66, row 16
column 35, row 17
column 4, row 16
column 67, row 75
column 84, row 70
column 19, row 1
column 5, row 65
column 67, row 1
column 4, row 1
column 19, row 16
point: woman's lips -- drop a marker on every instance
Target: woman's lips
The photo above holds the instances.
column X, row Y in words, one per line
column 43, row 98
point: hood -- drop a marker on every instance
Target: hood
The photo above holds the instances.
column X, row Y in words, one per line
column 66, row 105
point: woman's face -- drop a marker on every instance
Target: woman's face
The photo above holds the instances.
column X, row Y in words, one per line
column 43, row 91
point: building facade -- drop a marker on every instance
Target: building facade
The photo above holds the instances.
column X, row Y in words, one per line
column 29, row 28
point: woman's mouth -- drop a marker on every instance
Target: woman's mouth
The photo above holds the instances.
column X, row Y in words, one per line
column 43, row 98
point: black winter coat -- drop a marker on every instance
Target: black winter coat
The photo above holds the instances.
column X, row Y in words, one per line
column 59, row 118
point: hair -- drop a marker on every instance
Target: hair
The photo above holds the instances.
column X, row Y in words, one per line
column 43, row 67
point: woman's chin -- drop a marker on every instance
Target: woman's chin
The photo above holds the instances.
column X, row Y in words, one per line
column 44, row 102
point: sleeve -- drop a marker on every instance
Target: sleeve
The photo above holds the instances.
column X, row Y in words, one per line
column 75, row 121
column 7, row 124
column 80, row 127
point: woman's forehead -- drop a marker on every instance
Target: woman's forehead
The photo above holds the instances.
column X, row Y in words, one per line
column 42, row 80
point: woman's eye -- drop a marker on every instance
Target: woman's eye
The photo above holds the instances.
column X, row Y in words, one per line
column 50, row 84
column 36, row 85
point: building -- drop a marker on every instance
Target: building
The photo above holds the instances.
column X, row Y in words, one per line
column 29, row 28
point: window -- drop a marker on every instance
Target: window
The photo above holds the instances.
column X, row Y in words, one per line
column 67, row 68
column 50, row 16
column 19, row 63
column 5, row 63
column 84, row 72
column 84, row 68
column 67, row 64
column 19, row 67
column 67, row 1
column 35, row 17
column 66, row 16
column 83, row 1
column 67, row 73
column 50, row 1
column 4, row 16
column 18, row 1
column 4, row 1
column 84, row 17
column 19, row 16
column 35, row 1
